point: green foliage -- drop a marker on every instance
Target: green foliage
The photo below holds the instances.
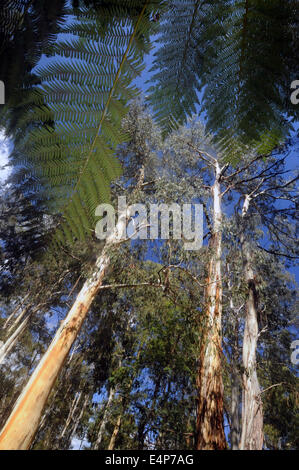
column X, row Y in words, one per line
column 186, row 36
column 241, row 54
column 143, row 341
column 70, row 126
column 27, row 30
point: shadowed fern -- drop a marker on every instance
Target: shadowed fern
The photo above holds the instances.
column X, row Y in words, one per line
column 241, row 55
column 68, row 128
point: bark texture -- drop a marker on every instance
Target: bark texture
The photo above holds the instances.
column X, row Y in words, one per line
column 21, row 426
column 235, row 410
column 210, row 429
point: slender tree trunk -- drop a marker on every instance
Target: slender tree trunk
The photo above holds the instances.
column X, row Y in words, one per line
column 78, row 419
column 18, row 319
column 72, row 411
column 115, row 433
column 7, row 321
column 210, row 429
column 252, row 410
column 11, row 341
column 105, row 419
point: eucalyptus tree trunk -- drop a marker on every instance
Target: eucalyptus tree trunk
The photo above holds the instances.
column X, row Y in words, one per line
column 9, row 318
column 21, row 426
column 105, row 419
column 78, row 419
column 115, row 433
column 252, row 408
column 210, row 429
column 72, row 411
column 6, row 347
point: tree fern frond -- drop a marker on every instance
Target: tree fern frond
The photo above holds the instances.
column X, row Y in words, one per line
column 83, row 96
column 241, row 54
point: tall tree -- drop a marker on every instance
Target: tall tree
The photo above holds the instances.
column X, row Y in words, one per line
column 18, row 433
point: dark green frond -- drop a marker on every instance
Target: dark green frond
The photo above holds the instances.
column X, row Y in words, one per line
column 242, row 54
column 70, row 127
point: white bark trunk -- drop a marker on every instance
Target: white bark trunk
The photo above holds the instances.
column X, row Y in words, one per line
column 105, row 419
column 78, row 419
column 18, row 319
column 72, row 411
column 7, row 321
column 12, row 340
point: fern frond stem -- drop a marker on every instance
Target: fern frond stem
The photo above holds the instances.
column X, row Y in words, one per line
column 244, row 32
column 192, row 24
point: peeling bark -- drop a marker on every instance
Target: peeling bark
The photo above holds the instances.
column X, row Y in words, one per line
column 235, row 410
column 235, row 422
column 252, row 408
column 210, row 429
column 78, row 419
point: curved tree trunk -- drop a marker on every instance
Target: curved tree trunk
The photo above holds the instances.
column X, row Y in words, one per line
column 252, row 409
column 23, row 422
column 210, row 429
column 21, row 426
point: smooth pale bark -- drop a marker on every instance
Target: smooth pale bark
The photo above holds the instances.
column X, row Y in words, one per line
column 252, row 408
column 21, row 426
column 18, row 319
column 78, row 419
column 210, row 428
column 12, row 340
column 46, row 414
column 105, row 419
column 7, row 321
column 23, row 422
column 72, row 411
